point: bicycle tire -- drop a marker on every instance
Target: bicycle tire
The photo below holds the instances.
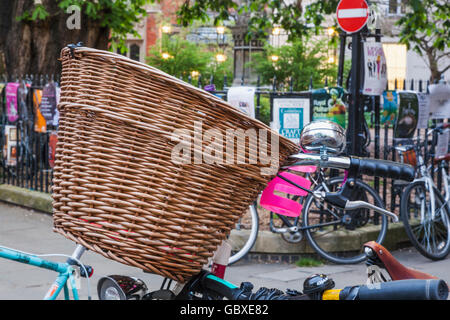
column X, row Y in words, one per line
column 430, row 237
column 241, row 250
column 319, row 238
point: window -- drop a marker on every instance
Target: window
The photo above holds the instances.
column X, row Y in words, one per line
column 135, row 52
column 397, row 7
column 395, row 63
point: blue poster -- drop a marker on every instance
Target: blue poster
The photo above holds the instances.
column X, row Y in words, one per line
column 390, row 107
column 291, row 122
column 290, row 115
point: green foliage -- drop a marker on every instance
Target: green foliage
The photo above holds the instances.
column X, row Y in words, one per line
column 308, row 262
column 426, row 29
column 191, row 11
column 179, row 57
column 119, row 16
column 38, row 13
column 301, row 60
column 264, row 111
column 428, row 23
column 265, row 14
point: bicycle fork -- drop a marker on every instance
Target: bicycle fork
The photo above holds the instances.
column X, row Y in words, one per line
column 429, row 186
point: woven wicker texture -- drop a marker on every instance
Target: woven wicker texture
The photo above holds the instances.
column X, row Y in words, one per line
column 116, row 189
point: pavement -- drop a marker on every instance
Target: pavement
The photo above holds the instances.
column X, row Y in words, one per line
column 31, row 231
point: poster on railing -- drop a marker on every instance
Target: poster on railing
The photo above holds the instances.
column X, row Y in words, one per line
column 40, row 124
column 56, row 115
column 390, row 107
column 442, row 144
column 408, row 111
column 12, row 112
column 330, row 104
column 290, row 115
column 439, row 101
column 242, row 98
column 375, row 77
column 52, row 140
column 22, row 103
column 10, row 145
column 48, row 102
column 424, row 110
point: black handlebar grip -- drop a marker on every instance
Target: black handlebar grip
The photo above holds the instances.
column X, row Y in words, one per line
column 411, row 289
column 382, row 168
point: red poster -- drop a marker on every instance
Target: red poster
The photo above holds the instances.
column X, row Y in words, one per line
column 53, row 139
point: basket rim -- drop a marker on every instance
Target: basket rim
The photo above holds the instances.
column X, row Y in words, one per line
column 117, row 58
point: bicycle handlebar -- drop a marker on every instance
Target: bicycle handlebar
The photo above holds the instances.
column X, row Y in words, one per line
column 367, row 166
column 382, row 168
column 410, row 289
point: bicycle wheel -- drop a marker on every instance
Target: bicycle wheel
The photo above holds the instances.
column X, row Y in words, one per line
column 338, row 235
column 243, row 237
column 429, row 235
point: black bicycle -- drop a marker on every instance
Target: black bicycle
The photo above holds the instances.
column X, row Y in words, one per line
column 326, row 225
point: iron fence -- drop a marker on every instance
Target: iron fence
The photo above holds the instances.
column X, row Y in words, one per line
column 34, row 150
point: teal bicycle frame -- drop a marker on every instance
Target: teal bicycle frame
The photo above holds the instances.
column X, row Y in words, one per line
column 66, row 271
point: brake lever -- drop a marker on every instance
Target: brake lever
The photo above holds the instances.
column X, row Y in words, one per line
column 338, row 200
column 352, row 205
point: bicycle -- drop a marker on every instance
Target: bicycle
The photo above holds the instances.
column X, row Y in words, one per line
column 322, row 223
column 208, row 286
column 424, row 212
column 442, row 163
column 244, row 236
column 242, row 242
column 69, row 273
column 401, row 283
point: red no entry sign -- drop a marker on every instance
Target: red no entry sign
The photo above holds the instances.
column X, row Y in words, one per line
column 352, row 15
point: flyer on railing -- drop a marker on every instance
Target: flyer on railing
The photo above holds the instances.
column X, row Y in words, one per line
column 243, row 98
column 11, row 101
column 408, row 111
column 442, row 144
column 330, row 104
column 424, row 110
column 439, row 101
column 375, row 76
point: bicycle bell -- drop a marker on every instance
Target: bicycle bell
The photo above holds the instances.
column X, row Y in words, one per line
column 323, row 136
column 316, row 284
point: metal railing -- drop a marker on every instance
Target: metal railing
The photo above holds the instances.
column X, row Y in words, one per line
column 33, row 166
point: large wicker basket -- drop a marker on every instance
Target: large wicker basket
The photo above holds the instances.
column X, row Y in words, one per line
column 116, row 189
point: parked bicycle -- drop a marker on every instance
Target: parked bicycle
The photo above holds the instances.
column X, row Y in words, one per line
column 325, row 225
column 208, row 286
column 69, row 273
column 244, row 236
column 424, row 211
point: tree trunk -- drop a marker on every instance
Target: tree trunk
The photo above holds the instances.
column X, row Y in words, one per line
column 435, row 74
column 33, row 47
